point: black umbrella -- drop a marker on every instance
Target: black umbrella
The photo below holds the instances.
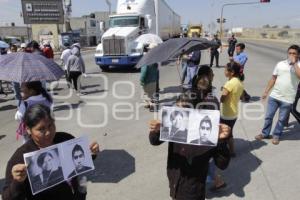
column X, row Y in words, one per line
column 173, row 48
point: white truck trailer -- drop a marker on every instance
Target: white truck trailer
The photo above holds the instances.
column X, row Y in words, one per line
column 132, row 19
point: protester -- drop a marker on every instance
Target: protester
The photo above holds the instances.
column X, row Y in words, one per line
column 75, row 67
column 47, row 50
column 187, row 165
column 231, row 93
column 206, row 98
column 214, row 51
column 241, row 58
column 149, row 79
column 190, row 68
column 64, row 58
column 23, row 47
column 32, row 93
column 231, row 45
column 284, row 84
column 41, row 127
column 13, row 49
column 35, row 48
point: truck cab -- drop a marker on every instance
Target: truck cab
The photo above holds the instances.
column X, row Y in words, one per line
column 118, row 46
column 133, row 18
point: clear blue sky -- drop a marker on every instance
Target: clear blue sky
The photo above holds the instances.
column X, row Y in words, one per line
column 278, row 12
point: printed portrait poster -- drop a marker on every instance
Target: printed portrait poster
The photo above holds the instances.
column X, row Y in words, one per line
column 50, row 166
column 76, row 157
column 190, row 126
column 44, row 168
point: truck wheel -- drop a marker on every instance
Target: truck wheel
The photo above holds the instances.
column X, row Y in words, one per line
column 104, row 68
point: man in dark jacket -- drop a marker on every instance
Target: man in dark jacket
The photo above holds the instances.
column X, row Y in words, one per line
column 214, row 52
column 190, row 68
column 231, row 45
column 187, row 165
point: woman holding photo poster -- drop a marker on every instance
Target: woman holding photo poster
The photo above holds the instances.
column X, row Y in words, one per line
column 41, row 128
column 187, row 165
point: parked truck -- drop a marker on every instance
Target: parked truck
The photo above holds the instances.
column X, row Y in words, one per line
column 195, row 30
column 132, row 19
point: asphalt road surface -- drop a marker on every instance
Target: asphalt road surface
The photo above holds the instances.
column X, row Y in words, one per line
column 129, row 168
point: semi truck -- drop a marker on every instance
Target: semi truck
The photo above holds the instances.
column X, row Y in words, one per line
column 194, row 30
column 132, row 19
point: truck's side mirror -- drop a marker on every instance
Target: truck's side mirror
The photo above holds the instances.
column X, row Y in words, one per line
column 142, row 23
column 149, row 21
column 102, row 26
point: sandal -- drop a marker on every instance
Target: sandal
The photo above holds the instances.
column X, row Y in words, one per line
column 261, row 137
column 275, row 141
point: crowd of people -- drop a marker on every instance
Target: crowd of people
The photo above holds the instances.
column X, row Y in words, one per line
column 189, row 167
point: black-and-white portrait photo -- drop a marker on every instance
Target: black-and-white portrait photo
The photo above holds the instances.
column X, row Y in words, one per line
column 76, row 157
column 190, row 126
column 205, row 130
column 174, row 125
column 44, row 170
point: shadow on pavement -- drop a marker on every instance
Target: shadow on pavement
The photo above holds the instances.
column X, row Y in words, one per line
column 2, row 181
column 8, row 107
column 93, row 92
column 67, row 106
column 292, row 132
column 238, row 174
column 89, row 86
column 255, row 99
column 2, row 136
column 112, row 166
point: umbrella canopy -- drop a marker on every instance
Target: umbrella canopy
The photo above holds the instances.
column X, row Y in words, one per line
column 4, row 45
column 28, row 67
column 173, row 48
column 149, row 39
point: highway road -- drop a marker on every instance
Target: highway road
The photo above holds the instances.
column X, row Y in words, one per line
column 129, row 168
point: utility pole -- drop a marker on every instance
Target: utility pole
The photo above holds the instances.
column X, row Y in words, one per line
column 68, row 11
column 235, row 4
column 109, row 6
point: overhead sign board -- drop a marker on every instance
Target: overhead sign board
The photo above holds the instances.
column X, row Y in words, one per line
column 43, row 11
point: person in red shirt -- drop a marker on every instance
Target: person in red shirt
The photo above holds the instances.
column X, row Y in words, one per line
column 47, row 50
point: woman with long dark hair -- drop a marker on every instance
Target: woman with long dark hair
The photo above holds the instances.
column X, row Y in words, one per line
column 231, row 93
column 40, row 125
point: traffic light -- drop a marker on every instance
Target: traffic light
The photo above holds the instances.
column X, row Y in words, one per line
column 224, row 20
column 265, row 1
column 218, row 20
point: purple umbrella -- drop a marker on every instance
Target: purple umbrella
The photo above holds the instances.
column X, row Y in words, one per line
column 28, row 67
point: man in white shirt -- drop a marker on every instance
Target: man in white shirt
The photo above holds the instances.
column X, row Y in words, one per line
column 64, row 58
column 284, row 82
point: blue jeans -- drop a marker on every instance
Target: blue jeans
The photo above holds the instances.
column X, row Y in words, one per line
column 191, row 71
column 284, row 110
